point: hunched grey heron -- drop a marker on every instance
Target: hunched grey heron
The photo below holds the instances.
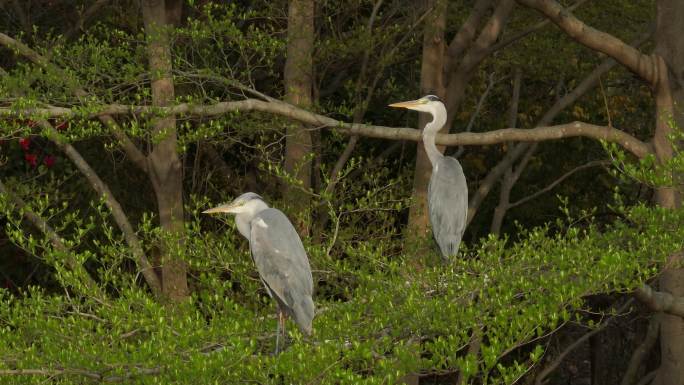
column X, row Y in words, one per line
column 448, row 190
column 279, row 256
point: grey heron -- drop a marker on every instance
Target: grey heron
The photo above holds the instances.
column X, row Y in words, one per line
column 279, row 257
column 448, row 190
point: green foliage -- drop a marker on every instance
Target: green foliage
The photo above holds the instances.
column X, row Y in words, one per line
column 650, row 170
column 386, row 320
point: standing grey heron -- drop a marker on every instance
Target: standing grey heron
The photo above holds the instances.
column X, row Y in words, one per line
column 279, row 256
column 448, row 190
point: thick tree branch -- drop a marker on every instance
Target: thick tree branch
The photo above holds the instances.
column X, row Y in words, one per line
column 510, row 40
column 625, row 54
column 465, row 35
column 567, row 130
column 660, row 301
column 488, row 36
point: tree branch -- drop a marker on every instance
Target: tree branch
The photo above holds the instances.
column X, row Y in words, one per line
column 625, row 54
column 558, row 181
column 555, row 363
column 660, row 301
column 519, row 149
column 567, row 130
column 510, row 177
column 642, row 350
column 54, row 238
column 131, row 149
column 464, row 36
column 505, row 43
column 117, row 212
column 488, row 36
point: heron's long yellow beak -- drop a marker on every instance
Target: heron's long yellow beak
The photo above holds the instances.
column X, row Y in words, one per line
column 407, row 104
column 224, row 208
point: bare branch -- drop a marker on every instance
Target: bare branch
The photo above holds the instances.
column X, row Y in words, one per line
column 478, row 107
column 558, row 181
column 660, row 301
column 519, row 149
column 520, row 35
column 488, row 36
column 510, row 177
column 625, row 54
column 553, row 365
column 465, row 35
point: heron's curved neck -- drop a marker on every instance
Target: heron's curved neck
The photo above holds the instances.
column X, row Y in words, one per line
column 430, row 134
column 243, row 219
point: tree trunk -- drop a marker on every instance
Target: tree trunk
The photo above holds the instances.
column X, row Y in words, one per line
column 669, row 53
column 298, row 86
column 164, row 165
column 431, row 82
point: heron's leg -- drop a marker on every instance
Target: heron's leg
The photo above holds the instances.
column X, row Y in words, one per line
column 277, row 334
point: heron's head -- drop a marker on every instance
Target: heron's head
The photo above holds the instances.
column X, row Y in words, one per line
column 429, row 104
column 245, row 203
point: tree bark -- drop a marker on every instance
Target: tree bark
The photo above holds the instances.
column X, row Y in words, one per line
column 669, row 53
column 431, row 82
column 298, row 87
column 164, row 165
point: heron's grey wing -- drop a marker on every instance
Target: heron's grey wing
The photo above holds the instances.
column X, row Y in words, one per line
column 448, row 204
column 282, row 263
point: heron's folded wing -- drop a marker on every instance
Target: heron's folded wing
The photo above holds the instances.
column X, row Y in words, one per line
column 281, row 260
column 448, row 204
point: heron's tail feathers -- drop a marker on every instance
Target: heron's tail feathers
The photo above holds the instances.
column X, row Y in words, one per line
column 303, row 314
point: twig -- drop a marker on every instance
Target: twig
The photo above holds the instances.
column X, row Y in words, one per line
column 558, row 181
column 478, row 107
column 554, row 364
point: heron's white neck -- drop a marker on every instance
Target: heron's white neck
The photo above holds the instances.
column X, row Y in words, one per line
column 439, row 115
column 243, row 219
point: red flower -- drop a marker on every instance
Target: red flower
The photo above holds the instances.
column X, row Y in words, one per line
column 49, row 161
column 62, row 125
column 31, row 159
column 25, row 143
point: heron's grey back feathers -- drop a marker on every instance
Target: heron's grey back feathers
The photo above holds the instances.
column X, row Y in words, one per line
column 448, row 204
column 282, row 263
